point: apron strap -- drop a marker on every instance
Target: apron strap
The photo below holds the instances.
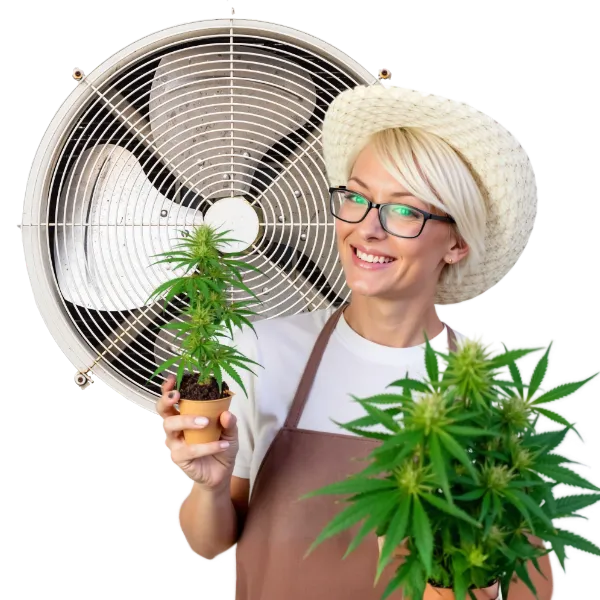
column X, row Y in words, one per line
column 311, row 368
column 308, row 377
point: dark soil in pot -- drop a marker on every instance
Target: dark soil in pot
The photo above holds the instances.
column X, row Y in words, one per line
column 190, row 389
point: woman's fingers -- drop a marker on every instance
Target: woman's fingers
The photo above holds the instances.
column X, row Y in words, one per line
column 182, row 452
column 175, row 424
column 165, row 406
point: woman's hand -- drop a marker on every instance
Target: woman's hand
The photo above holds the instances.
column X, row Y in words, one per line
column 209, row 465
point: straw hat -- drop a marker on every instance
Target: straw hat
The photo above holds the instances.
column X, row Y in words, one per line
column 496, row 159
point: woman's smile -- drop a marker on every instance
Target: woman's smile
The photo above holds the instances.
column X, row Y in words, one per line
column 370, row 260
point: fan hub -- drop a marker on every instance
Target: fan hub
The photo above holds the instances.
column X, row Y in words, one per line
column 236, row 215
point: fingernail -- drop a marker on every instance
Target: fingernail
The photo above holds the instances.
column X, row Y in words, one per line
column 224, row 444
column 201, row 421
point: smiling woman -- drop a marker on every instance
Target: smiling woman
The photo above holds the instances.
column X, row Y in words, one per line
column 415, row 180
column 433, row 203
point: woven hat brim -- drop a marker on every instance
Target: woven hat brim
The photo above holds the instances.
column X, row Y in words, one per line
column 499, row 162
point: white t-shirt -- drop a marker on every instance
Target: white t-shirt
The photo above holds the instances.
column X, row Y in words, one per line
column 351, row 364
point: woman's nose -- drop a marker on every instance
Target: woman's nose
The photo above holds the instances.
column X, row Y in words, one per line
column 370, row 226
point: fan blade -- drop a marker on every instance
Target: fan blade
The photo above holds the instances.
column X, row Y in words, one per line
column 214, row 113
column 110, row 221
column 299, row 231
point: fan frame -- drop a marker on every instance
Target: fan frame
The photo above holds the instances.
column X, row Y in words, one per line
column 35, row 234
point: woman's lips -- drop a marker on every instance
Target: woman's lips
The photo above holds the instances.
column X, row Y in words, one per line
column 363, row 264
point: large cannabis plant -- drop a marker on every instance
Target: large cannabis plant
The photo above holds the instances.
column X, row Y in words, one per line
column 462, row 477
column 207, row 315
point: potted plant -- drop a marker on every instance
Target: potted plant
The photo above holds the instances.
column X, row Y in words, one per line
column 463, row 479
column 205, row 319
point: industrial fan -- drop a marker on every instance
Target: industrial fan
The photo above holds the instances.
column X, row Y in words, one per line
column 217, row 121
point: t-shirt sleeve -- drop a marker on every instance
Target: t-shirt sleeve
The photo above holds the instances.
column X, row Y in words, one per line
column 242, row 404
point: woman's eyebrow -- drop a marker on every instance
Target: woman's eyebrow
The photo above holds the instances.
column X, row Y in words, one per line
column 367, row 187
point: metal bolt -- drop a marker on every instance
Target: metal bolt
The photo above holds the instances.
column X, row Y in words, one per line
column 265, row 290
column 302, row 236
column 77, row 74
column 80, row 379
column 246, row 154
column 297, row 193
column 226, row 176
column 281, row 218
column 174, row 349
column 201, row 163
column 385, row 74
column 163, row 213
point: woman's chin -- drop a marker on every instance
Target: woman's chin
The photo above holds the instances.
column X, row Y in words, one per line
column 366, row 288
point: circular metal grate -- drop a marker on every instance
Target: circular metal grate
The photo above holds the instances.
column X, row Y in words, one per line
column 217, row 121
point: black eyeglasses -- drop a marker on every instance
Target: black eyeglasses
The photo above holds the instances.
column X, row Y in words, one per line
column 401, row 220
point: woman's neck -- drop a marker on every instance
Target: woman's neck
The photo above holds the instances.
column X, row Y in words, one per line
column 397, row 324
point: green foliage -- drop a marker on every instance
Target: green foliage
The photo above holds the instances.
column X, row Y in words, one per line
column 209, row 316
column 463, row 477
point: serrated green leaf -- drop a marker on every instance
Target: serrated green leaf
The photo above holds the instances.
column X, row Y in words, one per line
column 379, row 512
column 176, row 325
column 234, row 375
column 514, row 354
column 162, row 287
column 454, row 448
column 485, row 506
column 352, row 485
column 411, row 384
column 364, row 432
column 395, row 534
column 448, row 508
column 534, row 508
column 343, row 520
column 576, row 541
column 385, row 419
column 547, row 440
column 556, row 418
column 369, row 420
column 469, row 431
column 570, row 504
column 180, row 371
column 218, row 375
column 164, row 366
column 538, row 373
column 472, row 495
column 406, row 436
column 383, row 399
column 460, row 580
column 512, row 497
column 524, row 576
column 423, row 534
column 566, row 476
column 439, row 465
column 561, row 391
column 431, row 363
column 515, row 372
column 403, row 575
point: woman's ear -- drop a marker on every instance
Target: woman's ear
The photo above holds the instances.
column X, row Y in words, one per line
column 458, row 251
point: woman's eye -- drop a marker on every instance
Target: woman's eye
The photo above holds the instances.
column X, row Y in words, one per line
column 356, row 198
column 404, row 211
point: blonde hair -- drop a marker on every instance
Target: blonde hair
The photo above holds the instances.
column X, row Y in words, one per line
column 433, row 171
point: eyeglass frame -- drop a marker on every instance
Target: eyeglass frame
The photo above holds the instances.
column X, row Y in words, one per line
column 427, row 215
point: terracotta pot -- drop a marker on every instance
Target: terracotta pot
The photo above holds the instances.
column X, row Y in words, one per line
column 212, row 410
column 488, row 593
column 433, row 593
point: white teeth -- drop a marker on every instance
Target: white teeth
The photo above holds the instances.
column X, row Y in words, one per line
column 372, row 259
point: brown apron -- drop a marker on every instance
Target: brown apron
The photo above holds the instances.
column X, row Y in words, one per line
column 279, row 529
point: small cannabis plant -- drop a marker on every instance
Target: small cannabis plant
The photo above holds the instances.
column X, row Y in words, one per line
column 462, row 477
column 208, row 274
